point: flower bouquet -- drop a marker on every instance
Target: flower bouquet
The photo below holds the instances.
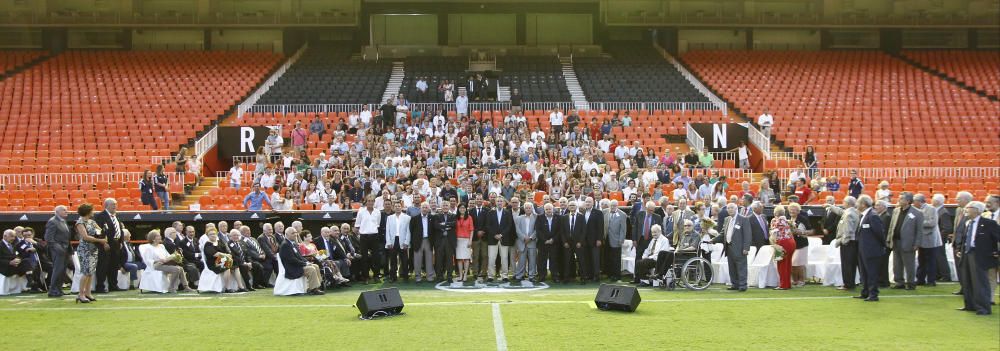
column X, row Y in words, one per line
column 779, row 253
column 224, row 261
column 175, row 259
column 321, row 255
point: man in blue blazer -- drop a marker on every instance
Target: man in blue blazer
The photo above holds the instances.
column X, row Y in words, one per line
column 978, row 244
column 871, row 247
column 296, row 266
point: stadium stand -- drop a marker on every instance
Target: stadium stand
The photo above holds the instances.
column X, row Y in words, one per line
column 436, row 70
column 977, row 69
column 327, row 74
column 90, row 112
column 633, row 72
column 11, row 60
column 538, row 78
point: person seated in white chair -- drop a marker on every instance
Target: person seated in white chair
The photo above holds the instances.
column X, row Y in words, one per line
column 216, row 257
column 164, row 262
column 658, row 254
column 295, row 265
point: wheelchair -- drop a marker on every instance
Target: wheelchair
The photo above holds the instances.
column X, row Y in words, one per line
column 687, row 266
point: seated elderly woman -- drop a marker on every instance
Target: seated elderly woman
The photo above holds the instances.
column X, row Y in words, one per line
column 166, row 262
column 218, row 260
column 659, row 253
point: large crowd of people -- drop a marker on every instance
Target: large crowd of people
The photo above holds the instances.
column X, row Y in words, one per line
column 459, row 199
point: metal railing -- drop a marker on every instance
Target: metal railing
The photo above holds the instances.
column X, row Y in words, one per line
column 66, row 16
column 941, row 173
column 725, row 156
column 264, row 87
column 783, row 155
column 694, row 81
column 694, row 140
column 759, row 140
column 206, row 142
column 492, row 106
column 77, row 178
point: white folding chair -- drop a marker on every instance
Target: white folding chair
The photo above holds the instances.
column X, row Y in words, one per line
column 209, row 281
column 815, row 267
column 628, row 257
column 284, row 286
column 763, row 271
column 123, row 278
column 949, row 252
column 11, row 285
column 152, row 279
column 832, row 269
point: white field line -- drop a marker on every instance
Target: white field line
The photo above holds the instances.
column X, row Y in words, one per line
column 498, row 328
column 443, row 303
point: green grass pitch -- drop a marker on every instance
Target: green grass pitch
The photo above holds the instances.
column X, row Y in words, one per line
column 562, row 317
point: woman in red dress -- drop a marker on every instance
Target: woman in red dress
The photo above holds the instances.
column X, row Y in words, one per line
column 781, row 235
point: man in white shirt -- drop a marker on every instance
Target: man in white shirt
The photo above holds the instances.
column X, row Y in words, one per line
column 621, row 150
column 556, row 121
column 366, row 116
column 604, row 145
column 367, row 224
column 462, row 105
column 658, row 254
column 765, row 121
column 267, row 179
column 440, row 121
column 421, row 86
column 235, row 175
column 397, row 241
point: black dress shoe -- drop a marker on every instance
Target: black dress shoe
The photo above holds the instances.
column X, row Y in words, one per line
column 931, row 284
column 872, row 299
column 743, row 289
column 983, row 313
column 860, row 297
column 116, row 289
column 100, row 291
column 644, row 285
column 56, row 295
column 965, row 309
column 957, row 292
column 732, row 288
column 911, row 287
column 921, row 283
column 898, row 286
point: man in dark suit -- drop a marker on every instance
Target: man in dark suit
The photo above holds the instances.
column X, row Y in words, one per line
column 736, row 236
column 192, row 261
column 979, row 243
column 480, row 251
column 594, row 238
column 905, row 228
column 641, row 235
column 296, row 266
column 830, row 221
column 422, row 241
column 871, row 248
column 881, row 208
column 574, row 236
column 254, row 256
column 759, row 235
column 444, row 229
column 500, row 236
column 269, row 245
column 109, row 261
column 548, row 228
column 238, row 249
column 57, row 236
column 11, row 263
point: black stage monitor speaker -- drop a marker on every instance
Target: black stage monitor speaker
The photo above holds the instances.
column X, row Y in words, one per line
column 617, row 297
column 380, row 303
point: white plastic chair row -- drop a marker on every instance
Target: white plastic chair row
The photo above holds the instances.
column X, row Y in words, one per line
column 763, row 272
column 722, row 273
column 284, row 286
column 628, row 257
column 123, row 278
column 13, row 284
column 151, row 279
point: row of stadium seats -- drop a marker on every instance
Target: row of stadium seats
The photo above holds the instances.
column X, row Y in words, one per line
column 862, row 98
column 977, row 69
column 113, row 111
column 537, row 78
column 635, row 72
column 326, row 74
column 434, row 70
column 11, row 60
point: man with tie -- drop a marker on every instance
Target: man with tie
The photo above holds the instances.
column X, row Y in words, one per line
column 616, row 234
column 269, row 245
column 480, row 249
column 830, row 221
column 109, row 261
column 241, row 264
column 657, row 254
column 871, row 246
column 993, row 212
column 847, row 227
column 57, row 236
column 192, row 257
column 296, row 266
column 680, row 214
column 906, row 226
column 526, row 244
column 573, row 238
column 422, row 243
column 444, row 229
column 500, row 234
column 254, row 257
column 549, row 230
column 641, row 235
column 595, row 240
column 979, row 243
column 736, row 238
column 666, row 213
column 759, row 233
column 397, row 242
column 962, row 199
